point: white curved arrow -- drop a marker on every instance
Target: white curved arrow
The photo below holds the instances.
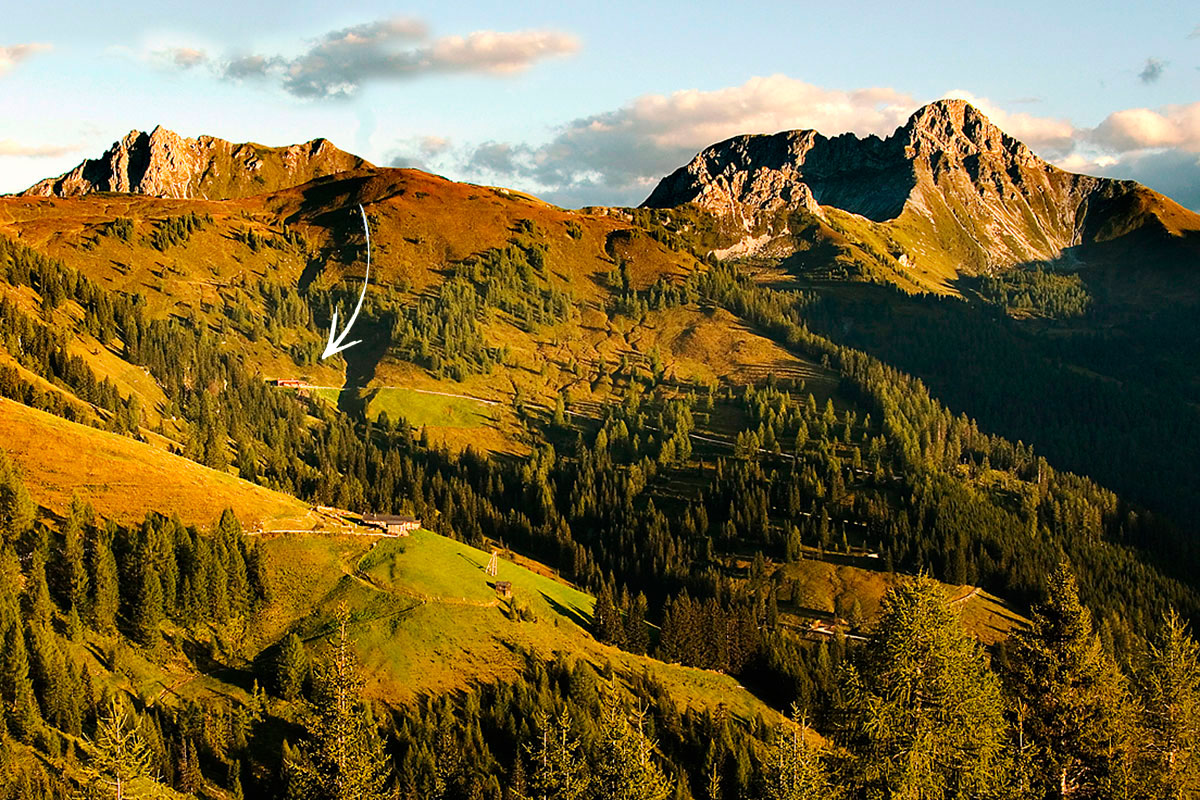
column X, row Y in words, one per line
column 335, row 345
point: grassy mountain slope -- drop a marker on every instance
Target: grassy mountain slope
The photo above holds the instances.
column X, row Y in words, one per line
column 124, row 479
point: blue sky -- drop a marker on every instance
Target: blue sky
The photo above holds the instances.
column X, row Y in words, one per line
column 592, row 103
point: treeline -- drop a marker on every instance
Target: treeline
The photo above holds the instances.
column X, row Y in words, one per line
column 1049, row 294
column 892, row 486
column 176, row 230
column 589, row 511
column 43, row 350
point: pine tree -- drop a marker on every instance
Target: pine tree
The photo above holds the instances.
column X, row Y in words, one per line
column 1170, row 688
column 1071, row 700
column 923, row 712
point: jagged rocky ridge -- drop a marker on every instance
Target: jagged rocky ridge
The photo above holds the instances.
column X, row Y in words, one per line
column 947, row 183
column 164, row 164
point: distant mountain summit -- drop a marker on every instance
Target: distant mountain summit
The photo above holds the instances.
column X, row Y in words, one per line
column 947, row 193
column 164, row 164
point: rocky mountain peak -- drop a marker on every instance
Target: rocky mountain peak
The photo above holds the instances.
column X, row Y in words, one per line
column 956, row 128
column 162, row 163
column 948, row 182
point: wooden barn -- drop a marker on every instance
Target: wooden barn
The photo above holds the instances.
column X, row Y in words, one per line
column 391, row 523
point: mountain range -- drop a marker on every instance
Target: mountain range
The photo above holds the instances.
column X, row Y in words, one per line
column 679, row 467
column 947, row 194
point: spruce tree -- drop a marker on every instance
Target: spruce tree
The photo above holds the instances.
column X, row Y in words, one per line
column 37, row 593
column 75, row 574
column 106, row 598
column 291, row 667
column 16, row 687
column 1071, row 701
column 17, row 508
column 1170, row 689
column 147, row 609
column 606, row 620
column 637, row 634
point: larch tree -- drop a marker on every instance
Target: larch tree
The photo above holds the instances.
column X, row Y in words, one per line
column 559, row 770
column 923, row 715
column 348, row 757
column 119, row 753
column 624, row 754
column 794, row 769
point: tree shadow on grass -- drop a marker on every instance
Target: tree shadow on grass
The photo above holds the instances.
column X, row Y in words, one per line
column 573, row 614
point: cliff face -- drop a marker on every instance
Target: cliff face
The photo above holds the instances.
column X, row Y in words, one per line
column 947, row 193
column 164, row 164
column 755, row 175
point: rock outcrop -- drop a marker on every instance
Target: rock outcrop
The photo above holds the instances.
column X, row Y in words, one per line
column 164, row 164
column 947, row 187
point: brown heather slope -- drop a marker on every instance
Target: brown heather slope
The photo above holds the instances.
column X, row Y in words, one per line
column 164, row 164
column 124, row 479
column 421, row 227
column 947, row 194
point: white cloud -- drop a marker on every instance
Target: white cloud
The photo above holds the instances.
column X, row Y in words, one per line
column 1142, row 128
column 13, row 54
column 618, row 156
column 341, row 62
column 419, row 152
column 181, row 57
column 9, row 147
column 490, row 51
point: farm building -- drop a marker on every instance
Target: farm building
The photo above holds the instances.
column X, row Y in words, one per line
column 504, row 588
column 393, row 524
column 291, row 383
